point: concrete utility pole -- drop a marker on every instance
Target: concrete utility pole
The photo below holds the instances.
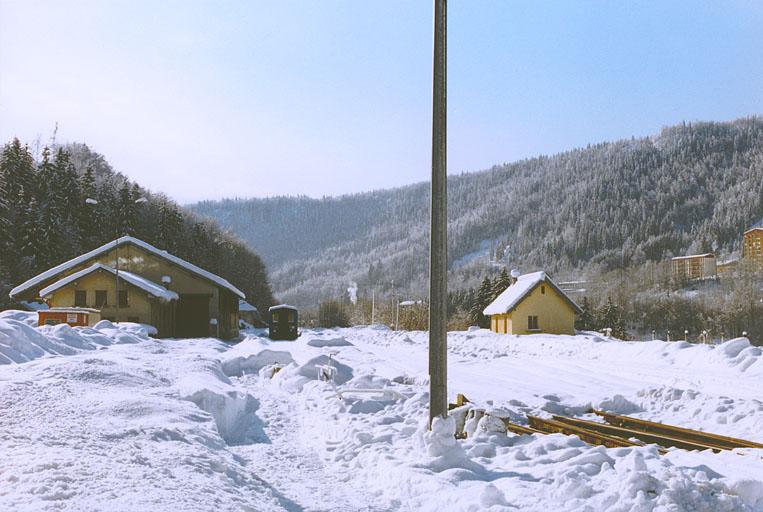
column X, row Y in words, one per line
column 438, row 256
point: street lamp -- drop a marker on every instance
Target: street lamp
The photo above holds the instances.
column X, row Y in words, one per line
column 92, row 201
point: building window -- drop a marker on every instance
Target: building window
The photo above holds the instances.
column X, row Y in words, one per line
column 532, row 323
column 543, row 290
column 122, row 298
column 80, row 298
column 100, row 299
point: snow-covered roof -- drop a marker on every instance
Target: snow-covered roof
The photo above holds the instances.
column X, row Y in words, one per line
column 48, row 274
column 73, row 310
column 692, row 256
column 514, row 294
column 34, row 305
column 281, row 306
column 141, row 282
column 755, row 227
column 245, row 306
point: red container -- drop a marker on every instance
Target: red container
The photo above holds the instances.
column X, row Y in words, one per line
column 76, row 317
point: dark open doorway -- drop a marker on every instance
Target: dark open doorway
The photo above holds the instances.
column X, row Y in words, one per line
column 192, row 316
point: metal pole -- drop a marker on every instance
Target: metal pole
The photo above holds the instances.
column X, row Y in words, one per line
column 438, row 257
column 394, row 312
column 116, row 284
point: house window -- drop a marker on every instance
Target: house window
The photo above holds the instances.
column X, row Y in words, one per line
column 543, row 290
column 122, row 298
column 80, row 298
column 100, row 299
column 532, row 323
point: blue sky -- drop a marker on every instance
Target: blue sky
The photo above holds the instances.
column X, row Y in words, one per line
column 203, row 99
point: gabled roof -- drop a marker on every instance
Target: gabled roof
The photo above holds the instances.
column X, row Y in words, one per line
column 141, row 282
column 53, row 272
column 515, row 293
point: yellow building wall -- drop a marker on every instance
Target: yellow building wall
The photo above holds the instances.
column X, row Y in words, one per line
column 752, row 250
column 501, row 324
column 138, row 304
column 555, row 315
column 134, row 259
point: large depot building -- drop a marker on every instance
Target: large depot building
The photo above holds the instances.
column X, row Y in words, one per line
column 153, row 287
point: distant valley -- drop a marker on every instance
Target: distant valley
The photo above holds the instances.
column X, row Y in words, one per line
column 692, row 187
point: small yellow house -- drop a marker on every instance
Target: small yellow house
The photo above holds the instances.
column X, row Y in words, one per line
column 533, row 304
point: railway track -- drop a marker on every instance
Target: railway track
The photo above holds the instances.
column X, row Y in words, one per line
column 618, row 431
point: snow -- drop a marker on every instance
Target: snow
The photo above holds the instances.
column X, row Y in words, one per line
column 245, row 306
column 141, row 282
column 281, row 306
column 34, row 305
column 53, row 272
column 108, row 418
column 512, row 295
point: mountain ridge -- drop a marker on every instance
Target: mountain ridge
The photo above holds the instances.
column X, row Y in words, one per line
column 611, row 204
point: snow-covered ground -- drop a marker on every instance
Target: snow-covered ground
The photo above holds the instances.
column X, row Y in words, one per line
column 110, row 419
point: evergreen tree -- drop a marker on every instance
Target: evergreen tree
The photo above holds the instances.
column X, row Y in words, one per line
column 88, row 213
column 126, row 210
column 500, row 284
column 611, row 316
column 5, row 220
column 17, row 167
column 170, row 224
column 586, row 320
column 482, row 300
column 65, row 204
column 44, row 220
column 34, row 243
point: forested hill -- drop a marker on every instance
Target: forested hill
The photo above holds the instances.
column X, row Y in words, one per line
column 46, row 220
column 692, row 187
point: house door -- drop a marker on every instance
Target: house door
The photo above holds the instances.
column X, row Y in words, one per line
column 192, row 316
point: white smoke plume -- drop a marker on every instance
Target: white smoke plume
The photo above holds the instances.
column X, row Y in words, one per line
column 352, row 291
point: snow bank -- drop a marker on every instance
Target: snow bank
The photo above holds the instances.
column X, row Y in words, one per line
column 333, row 342
column 28, row 317
column 238, row 366
column 202, row 425
column 112, row 430
column 20, row 342
column 299, row 375
column 392, row 453
column 386, row 447
column 205, row 383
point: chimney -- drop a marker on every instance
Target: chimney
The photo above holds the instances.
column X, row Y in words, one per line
column 514, row 275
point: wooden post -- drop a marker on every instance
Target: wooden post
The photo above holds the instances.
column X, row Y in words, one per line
column 438, row 256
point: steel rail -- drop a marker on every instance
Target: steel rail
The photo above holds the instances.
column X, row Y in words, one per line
column 696, row 436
